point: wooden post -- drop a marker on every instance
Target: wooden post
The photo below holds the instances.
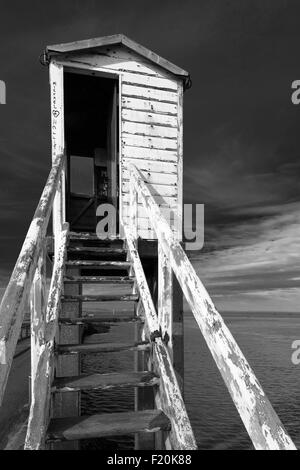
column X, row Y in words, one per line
column 165, row 299
column 165, row 319
column 178, row 333
column 69, row 404
column 170, row 317
column 58, row 145
column 143, row 397
column 38, row 304
column 133, row 214
column 38, row 315
column 43, row 368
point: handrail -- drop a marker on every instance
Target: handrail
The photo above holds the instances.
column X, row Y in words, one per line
column 260, row 420
column 182, row 435
column 44, row 331
column 13, row 302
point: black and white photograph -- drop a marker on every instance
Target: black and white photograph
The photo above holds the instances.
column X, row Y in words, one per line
column 150, row 228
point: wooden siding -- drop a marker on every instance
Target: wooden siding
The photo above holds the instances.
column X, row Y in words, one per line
column 150, row 125
column 149, row 137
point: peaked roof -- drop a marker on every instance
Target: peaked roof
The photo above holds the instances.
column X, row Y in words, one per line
column 115, row 39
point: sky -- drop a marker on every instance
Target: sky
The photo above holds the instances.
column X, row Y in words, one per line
column 241, row 149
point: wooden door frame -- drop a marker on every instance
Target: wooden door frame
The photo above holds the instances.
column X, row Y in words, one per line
column 59, row 67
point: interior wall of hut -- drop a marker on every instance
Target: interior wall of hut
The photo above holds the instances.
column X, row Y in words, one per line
column 91, row 142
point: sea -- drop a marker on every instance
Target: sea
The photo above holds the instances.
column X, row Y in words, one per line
column 265, row 339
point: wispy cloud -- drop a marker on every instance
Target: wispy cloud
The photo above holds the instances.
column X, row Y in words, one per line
column 257, row 262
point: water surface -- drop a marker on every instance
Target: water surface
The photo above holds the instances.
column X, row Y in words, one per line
column 265, row 339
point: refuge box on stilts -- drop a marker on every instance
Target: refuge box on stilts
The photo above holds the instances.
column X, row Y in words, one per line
column 115, row 194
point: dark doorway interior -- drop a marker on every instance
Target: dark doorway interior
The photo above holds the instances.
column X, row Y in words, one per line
column 91, row 137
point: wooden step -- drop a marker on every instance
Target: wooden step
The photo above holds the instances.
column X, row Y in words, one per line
column 105, row 381
column 99, row 264
column 86, row 250
column 108, row 424
column 92, row 236
column 95, row 319
column 101, row 298
column 102, row 347
column 99, row 279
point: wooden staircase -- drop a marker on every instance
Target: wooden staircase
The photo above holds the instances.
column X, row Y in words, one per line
column 58, row 323
column 103, row 265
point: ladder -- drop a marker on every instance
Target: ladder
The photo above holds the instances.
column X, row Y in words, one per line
column 57, row 323
column 103, row 265
column 84, row 260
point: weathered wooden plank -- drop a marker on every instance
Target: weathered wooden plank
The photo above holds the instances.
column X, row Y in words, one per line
column 112, row 424
column 147, row 130
column 100, row 298
column 105, row 381
column 114, row 61
column 143, row 219
column 58, row 143
column 13, row 301
column 100, row 264
column 133, row 214
column 153, row 94
column 168, row 167
column 99, row 319
column 165, row 300
column 180, row 161
column 178, row 332
column 112, row 164
column 156, row 156
column 149, row 81
column 147, row 117
column 143, row 397
column 154, row 178
column 140, row 104
column 102, row 347
column 99, row 279
column 93, row 237
column 68, row 365
column 39, row 408
column 55, row 293
column 38, row 318
column 262, row 423
column 149, row 142
column 161, row 190
column 161, row 201
column 57, row 109
column 143, row 223
column 83, row 250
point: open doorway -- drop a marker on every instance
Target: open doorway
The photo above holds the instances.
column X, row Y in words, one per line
column 92, row 147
